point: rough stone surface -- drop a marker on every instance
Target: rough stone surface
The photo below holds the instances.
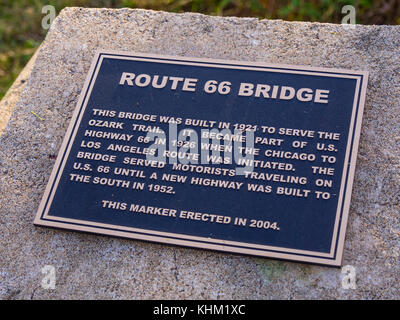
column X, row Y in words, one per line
column 91, row 266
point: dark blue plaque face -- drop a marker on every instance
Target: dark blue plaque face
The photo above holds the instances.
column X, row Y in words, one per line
column 241, row 157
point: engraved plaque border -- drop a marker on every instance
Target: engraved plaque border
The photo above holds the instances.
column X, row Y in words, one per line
column 333, row 258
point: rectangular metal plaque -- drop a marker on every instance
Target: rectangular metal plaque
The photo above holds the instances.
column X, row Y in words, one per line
column 242, row 157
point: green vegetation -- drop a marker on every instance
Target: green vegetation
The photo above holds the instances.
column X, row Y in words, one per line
column 21, row 31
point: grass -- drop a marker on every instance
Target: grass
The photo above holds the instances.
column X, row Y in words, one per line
column 21, row 32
